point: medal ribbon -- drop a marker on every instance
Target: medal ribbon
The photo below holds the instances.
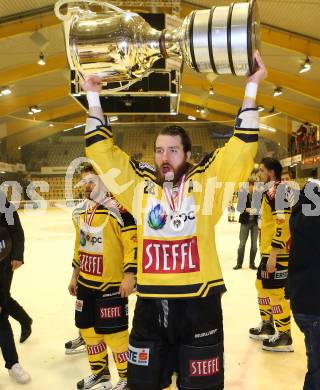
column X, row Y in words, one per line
column 169, row 196
column 88, row 218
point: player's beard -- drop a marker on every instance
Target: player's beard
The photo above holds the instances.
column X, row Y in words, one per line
column 178, row 172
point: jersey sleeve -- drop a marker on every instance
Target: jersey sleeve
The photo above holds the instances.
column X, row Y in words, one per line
column 129, row 242
column 233, row 163
column 120, row 174
column 281, row 229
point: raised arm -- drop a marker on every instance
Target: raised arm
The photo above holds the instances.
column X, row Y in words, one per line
column 121, row 175
column 233, row 163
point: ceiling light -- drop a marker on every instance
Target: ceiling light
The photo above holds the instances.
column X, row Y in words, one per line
column 34, row 110
column 269, row 128
column 5, row 91
column 306, row 66
column 204, row 111
column 41, row 60
column 277, row 91
column 51, row 124
column 197, row 109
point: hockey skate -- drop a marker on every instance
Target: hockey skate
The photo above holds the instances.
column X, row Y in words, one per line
column 99, row 381
column 263, row 331
column 280, row 342
column 75, row 346
column 121, row 385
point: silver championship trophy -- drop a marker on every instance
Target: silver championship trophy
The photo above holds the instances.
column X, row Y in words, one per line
column 120, row 46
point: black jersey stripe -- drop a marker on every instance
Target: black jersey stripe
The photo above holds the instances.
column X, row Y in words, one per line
column 247, row 138
column 204, row 164
column 142, row 172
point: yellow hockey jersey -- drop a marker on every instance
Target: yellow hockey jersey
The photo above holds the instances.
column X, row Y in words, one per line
column 106, row 247
column 275, row 230
column 176, row 263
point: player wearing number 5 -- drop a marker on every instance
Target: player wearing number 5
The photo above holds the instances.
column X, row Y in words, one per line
column 273, row 269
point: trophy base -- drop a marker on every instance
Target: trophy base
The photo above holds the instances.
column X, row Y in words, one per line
column 156, row 93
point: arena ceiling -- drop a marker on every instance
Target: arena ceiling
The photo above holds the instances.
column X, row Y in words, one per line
column 290, row 32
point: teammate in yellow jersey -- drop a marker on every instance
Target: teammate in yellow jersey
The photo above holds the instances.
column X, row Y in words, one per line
column 103, row 277
column 273, row 269
column 177, row 324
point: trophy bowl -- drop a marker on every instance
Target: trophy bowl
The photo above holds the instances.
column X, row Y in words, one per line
column 121, row 46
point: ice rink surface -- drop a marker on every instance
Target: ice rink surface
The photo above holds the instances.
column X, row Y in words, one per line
column 41, row 284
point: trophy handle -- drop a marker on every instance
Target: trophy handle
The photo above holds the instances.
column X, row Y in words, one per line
column 67, row 16
column 67, row 20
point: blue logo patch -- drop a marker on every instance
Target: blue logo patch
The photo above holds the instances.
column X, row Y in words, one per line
column 157, row 217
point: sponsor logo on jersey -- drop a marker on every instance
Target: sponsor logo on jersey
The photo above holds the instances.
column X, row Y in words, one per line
column 96, row 349
column 157, row 217
column 264, row 301
column 91, row 264
column 185, row 216
column 86, row 238
column 121, row 357
column 277, row 309
column 280, row 275
column 138, row 356
column 79, row 305
column 179, row 256
column 143, row 165
column 160, row 219
column 110, row 312
column 205, row 367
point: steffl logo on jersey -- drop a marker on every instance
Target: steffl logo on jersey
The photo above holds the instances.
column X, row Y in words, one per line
column 179, row 256
column 91, row 264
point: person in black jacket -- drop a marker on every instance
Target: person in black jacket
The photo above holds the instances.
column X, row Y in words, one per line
column 16, row 311
column 303, row 287
column 11, row 258
column 249, row 224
